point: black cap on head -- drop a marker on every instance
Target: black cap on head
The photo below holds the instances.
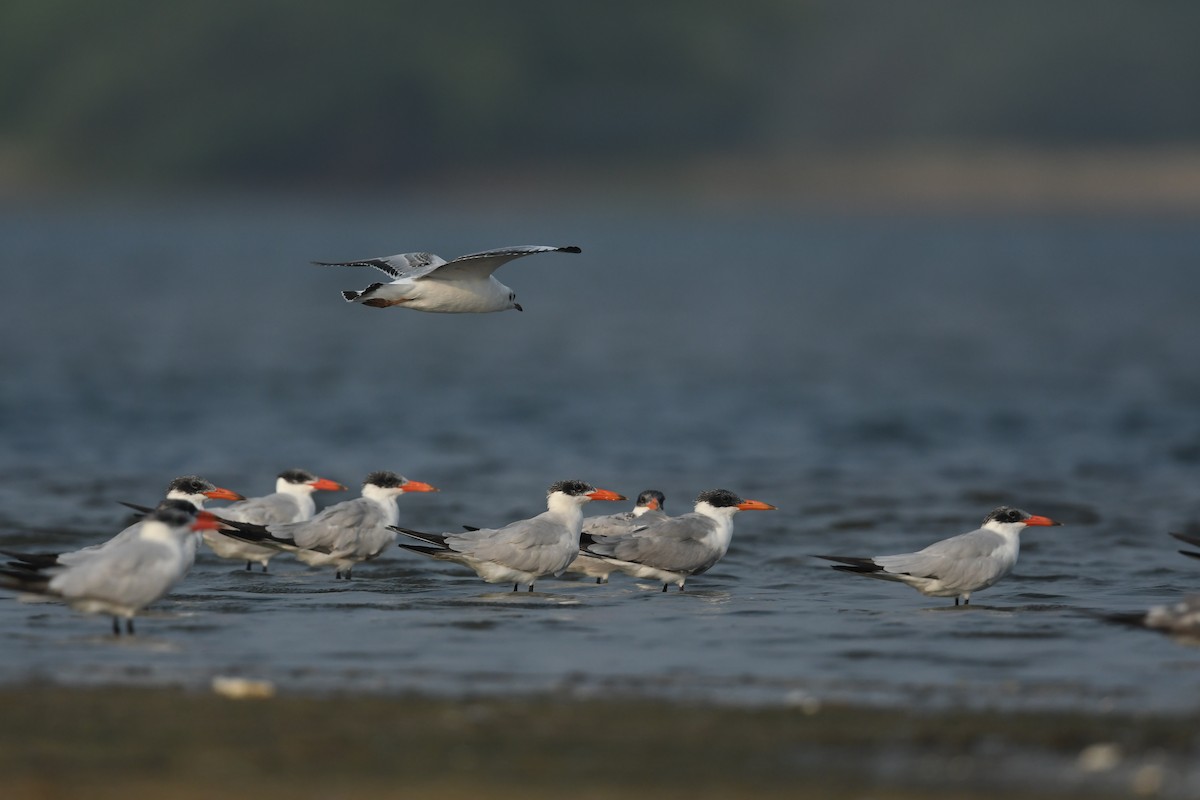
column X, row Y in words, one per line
column 1006, row 514
column 718, row 498
column 651, row 494
column 297, row 476
column 573, row 488
column 385, row 479
column 190, row 484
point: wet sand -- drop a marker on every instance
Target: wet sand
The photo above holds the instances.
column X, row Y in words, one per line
column 142, row 743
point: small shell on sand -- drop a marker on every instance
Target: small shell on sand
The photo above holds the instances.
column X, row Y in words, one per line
column 242, row 688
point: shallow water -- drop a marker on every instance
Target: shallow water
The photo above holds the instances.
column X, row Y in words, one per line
column 884, row 380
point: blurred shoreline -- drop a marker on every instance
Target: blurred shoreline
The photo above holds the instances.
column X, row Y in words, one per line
column 1151, row 181
column 133, row 743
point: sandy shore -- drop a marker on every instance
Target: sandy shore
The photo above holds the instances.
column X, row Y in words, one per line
column 134, row 743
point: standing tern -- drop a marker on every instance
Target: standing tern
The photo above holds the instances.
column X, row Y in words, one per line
column 677, row 547
column 426, row 282
column 522, row 551
column 343, row 534
column 957, row 566
column 292, row 501
column 190, row 488
column 647, row 511
column 131, row 574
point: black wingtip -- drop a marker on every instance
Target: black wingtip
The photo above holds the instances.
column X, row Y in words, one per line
column 571, row 248
column 1190, row 554
column 350, row 296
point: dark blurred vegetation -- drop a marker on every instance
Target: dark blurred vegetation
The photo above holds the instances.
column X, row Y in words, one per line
column 268, row 91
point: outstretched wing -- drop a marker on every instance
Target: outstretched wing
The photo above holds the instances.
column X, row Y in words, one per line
column 480, row 265
column 401, row 265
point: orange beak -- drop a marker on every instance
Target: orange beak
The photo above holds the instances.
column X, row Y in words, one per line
column 223, row 494
column 755, row 505
column 605, row 494
column 653, row 504
column 1041, row 521
column 417, row 486
column 323, row 484
column 206, row 522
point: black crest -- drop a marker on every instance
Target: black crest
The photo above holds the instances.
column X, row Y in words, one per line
column 718, row 498
column 297, row 476
column 652, row 494
column 573, row 488
column 190, row 484
column 385, row 479
column 1006, row 514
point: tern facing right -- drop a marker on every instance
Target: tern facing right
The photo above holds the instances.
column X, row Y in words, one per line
column 343, row 534
column 957, row 566
column 648, row 510
column 678, row 547
column 129, row 575
column 426, row 282
column 522, row 551
column 291, row 501
column 190, row 488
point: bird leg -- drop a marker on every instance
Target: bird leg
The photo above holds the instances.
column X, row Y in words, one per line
column 129, row 626
column 530, row 587
column 516, row 586
column 664, row 588
column 264, row 567
column 248, row 564
column 116, row 627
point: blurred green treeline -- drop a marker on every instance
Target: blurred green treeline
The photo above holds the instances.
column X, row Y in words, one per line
column 267, row 91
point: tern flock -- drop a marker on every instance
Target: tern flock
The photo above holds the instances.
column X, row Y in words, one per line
column 139, row 565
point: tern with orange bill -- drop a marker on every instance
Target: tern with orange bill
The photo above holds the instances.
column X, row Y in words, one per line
column 522, row 551
column 292, row 501
column 678, row 547
column 647, row 511
column 129, row 575
column 190, row 488
column 958, row 566
column 344, row 534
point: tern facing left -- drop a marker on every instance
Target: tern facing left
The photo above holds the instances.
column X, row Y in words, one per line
column 522, row 551
column 427, row 282
column 957, row 566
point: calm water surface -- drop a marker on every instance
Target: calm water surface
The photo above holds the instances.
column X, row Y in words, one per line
column 884, row 380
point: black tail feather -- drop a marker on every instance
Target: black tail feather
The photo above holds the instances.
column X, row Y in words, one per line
column 853, row 563
column 438, row 540
column 24, row 581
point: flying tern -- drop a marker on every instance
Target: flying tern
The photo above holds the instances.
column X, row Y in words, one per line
column 522, row 551
column 957, row 566
column 427, row 282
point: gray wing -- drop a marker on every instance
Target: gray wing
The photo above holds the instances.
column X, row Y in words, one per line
column 334, row 529
column 87, row 553
column 532, row 545
column 481, row 265
column 677, row 544
column 401, row 265
column 962, row 558
column 271, row 509
column 136, row 573
column 621, row 524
